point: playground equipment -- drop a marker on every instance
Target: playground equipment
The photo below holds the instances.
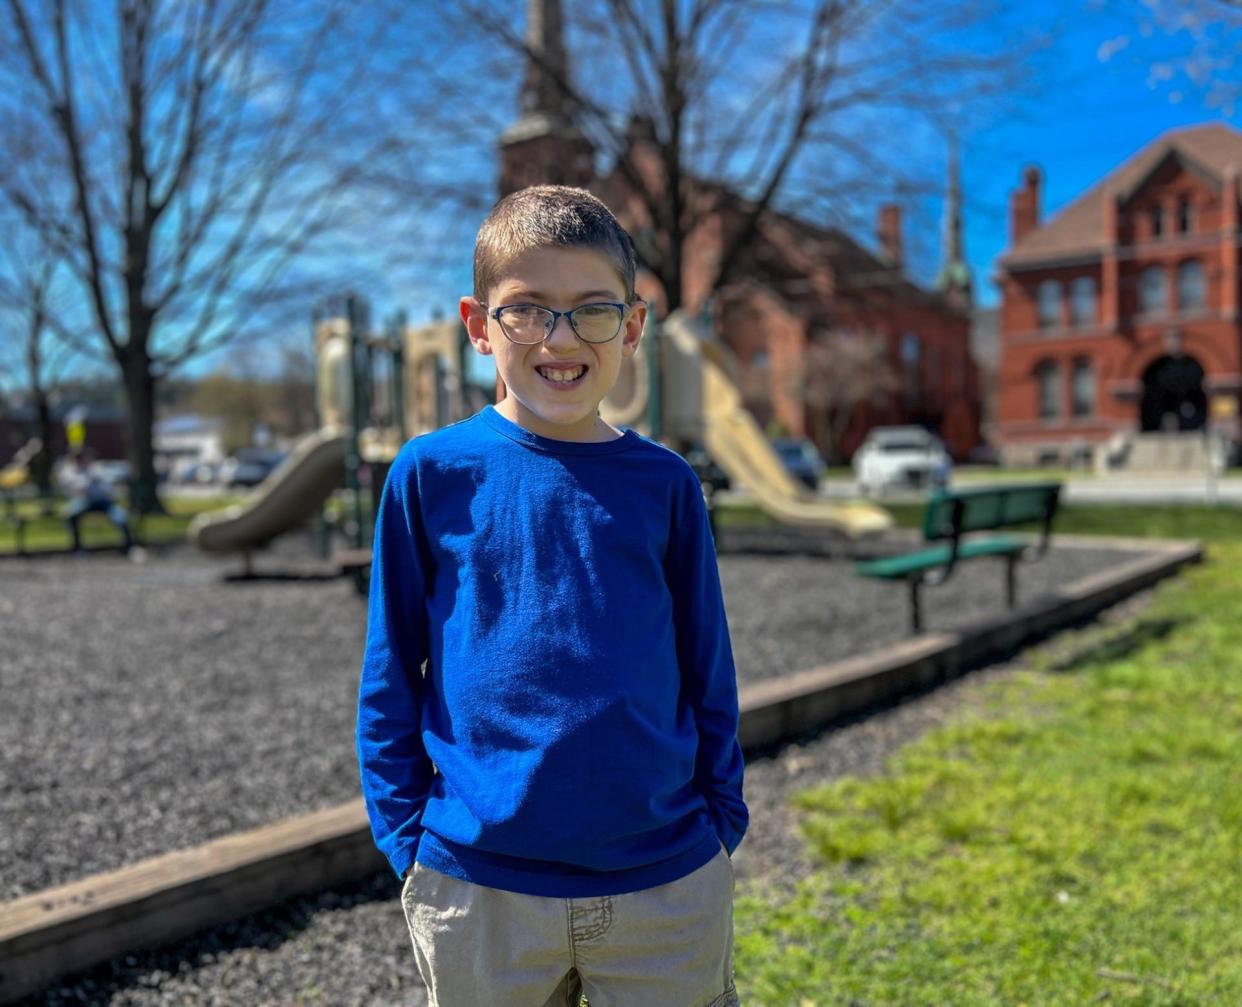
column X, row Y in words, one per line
column 17, row 472
column 691, row 397
column 679, row 387
column 364, row 422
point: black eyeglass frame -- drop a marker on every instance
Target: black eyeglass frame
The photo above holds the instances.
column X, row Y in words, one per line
column 495, row 313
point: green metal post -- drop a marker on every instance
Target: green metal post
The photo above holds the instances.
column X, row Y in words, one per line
column 655, row 376
column 354, row 531
column 396, row 351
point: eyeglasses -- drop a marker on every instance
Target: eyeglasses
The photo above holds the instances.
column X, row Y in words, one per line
column 527, row 324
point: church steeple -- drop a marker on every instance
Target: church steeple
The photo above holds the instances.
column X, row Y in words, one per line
column 544, row 145
column 955, row 279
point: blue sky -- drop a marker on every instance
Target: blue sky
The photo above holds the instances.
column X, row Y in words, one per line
column 1097, row 104
column 1092, row 99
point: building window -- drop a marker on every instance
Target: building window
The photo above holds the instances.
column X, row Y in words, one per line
column 1153, row 296
column 1190, row 286
column 1157, row 221
column 1185, row 216
column 1083, row 387
column 1048, row 297
column 1082, row 300
column 910, row 366
column 1049, row 377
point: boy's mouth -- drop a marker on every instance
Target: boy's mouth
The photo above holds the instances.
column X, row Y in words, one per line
column 562, row 377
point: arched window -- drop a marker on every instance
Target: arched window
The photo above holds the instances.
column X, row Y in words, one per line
column 1185, row 215
column 1153, row 296
column 1082, row 300
column 1049, row 377
column 1191, row 292
column 1156, row 214
column 1048, row 298
column 1082, row 387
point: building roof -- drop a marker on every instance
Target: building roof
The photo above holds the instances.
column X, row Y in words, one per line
column 1078, row 229
column 856, row 269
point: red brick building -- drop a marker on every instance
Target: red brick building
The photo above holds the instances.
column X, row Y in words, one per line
column 800, row 282
column 1120, row 314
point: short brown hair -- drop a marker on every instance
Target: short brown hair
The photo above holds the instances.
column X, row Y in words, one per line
column 542, row 216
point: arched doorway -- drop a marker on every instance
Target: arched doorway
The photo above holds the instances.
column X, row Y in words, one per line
column 1173, row 396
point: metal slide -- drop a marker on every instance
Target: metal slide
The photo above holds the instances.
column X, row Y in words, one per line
column 287, row 498
column 737, row 444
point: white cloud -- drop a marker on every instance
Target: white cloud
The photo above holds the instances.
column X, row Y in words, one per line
column 1109, row 48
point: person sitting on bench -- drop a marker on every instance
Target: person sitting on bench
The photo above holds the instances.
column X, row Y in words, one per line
column 89, row 492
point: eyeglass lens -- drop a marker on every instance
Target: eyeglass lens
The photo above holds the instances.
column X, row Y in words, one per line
column 529, row 323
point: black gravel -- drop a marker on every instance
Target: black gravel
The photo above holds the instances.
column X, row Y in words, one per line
column 349, row 946
column 152, row 707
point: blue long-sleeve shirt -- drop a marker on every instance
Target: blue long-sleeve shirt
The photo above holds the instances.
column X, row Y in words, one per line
column 548, row 701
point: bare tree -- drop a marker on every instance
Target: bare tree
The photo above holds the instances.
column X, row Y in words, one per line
column 1209, row 33
column 744, row 107
column 40, row 346
column 183, row 158
column 841, row 371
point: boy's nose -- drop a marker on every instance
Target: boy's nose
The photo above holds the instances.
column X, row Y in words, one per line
column 562, row 333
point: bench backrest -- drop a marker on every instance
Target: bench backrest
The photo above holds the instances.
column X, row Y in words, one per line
column 952, row 513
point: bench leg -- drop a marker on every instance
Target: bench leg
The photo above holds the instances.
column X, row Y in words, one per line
column 916, row 612
column 1011, row 580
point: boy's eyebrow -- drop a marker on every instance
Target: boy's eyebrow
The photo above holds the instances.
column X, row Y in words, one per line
column 536, row 295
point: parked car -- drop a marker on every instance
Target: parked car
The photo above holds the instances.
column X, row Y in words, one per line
column 709, row 473
column 199, row 473
column 250, row 466
column 801, row 459
column 905, row 457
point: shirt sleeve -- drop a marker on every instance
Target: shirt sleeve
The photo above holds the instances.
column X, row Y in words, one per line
column 705, row 655
column 395, row 769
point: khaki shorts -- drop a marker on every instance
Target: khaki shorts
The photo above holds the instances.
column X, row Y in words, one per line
column 667, row 946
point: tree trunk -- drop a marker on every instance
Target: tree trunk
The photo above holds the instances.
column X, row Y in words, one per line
column 41, row 463
column 140, row 400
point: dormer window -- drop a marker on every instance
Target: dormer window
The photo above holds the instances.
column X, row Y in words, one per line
column 1185, row 216
column 1156, row 215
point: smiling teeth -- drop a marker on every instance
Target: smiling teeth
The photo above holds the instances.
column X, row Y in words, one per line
column 562, row 375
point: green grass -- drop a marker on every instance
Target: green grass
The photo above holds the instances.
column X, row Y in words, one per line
column 993, row 474
column 1075, row 839
column 52, row 532
column 1203, row 521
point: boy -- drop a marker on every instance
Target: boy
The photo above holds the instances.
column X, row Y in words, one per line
column 561, row 786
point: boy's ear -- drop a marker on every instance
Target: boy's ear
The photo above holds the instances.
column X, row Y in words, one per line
column 633, row 332
column 474, row 317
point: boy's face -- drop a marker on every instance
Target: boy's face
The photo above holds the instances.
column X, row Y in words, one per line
column 561, row 279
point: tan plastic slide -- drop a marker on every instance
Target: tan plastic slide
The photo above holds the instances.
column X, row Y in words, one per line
column 737, row 444
column 291, row 495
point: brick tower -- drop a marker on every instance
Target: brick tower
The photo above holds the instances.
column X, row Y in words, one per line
column 544, row 145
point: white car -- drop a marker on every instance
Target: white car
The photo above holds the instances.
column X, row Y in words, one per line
column 901, row 457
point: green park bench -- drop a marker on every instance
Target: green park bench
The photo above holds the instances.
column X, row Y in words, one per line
column 951, row 516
